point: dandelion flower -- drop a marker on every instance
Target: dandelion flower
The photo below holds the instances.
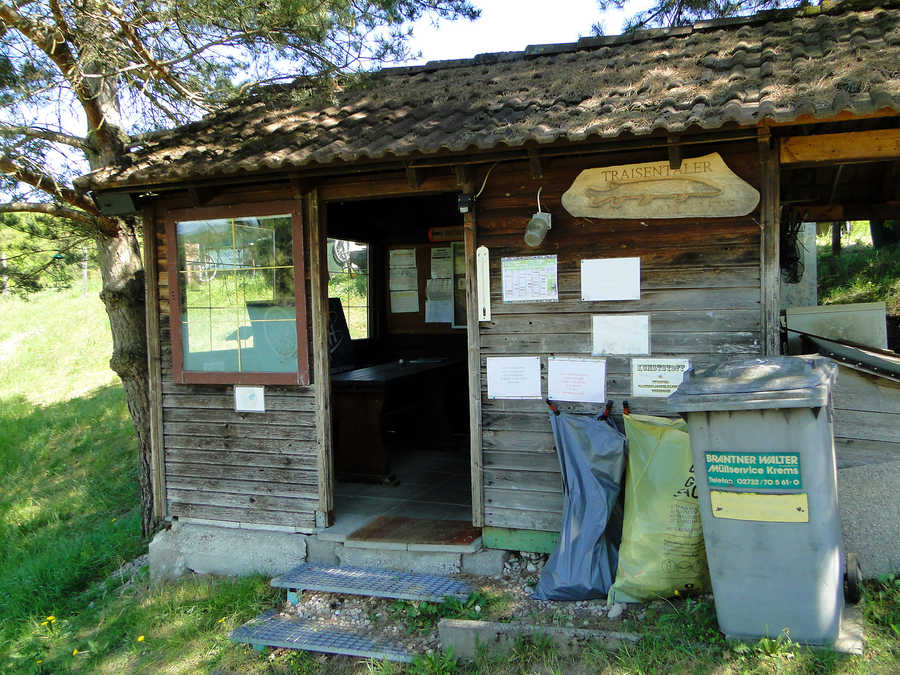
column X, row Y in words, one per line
column 113, row 520
column 140, row 638
column 39, row 661
column 51, row 618
column 44, row 623
column 74, row 652
column 676, row 591
column 222, row 620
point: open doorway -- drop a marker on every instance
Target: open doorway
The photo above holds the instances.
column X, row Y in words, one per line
column 397, row 341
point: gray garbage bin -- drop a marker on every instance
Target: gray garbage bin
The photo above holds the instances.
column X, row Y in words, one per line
column 763, row 450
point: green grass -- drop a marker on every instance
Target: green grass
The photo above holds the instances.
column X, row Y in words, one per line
column 859, row 273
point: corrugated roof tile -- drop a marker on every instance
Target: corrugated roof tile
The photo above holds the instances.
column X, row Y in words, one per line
column 780, row 65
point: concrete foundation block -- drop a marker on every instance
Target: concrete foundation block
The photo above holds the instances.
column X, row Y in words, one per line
column 487, row 562
column 165, row 558
column 870, row 515
column 206, row 549
column 467, row 637
column 322, row 551
column 404, row 561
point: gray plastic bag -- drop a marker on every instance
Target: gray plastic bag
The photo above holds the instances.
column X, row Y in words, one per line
column 592, row 459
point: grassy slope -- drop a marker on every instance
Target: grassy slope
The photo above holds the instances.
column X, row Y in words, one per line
column 859, row 273
column 68, row 517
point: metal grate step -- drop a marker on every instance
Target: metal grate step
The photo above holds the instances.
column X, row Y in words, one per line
column 371, row 582
column 272, row 629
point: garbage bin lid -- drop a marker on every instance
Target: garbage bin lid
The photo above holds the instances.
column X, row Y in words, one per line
column 746, row 384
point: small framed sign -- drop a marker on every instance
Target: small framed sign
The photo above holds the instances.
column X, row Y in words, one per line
column 249, row 399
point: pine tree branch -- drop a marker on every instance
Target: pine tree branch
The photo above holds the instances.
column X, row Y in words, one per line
column 51, row 40
column 158, row 70
column 47, row 135
column 47, row 209
column 46, row 183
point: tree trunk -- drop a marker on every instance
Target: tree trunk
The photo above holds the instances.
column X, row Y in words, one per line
column 4, row 277
column 884, row 232
column 123, row 295
column 836, row 227
column 84, row 271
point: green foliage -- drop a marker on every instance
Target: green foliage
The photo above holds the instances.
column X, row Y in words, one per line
column 419, row 617
column 860, row 274
column 685, row 12
column 436, row 663
column 40, row 252
column 882, row 606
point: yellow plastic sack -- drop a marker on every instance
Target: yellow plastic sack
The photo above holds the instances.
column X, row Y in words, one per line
column 662, row 542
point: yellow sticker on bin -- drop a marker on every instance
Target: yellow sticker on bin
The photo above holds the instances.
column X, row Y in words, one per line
column 766, row 508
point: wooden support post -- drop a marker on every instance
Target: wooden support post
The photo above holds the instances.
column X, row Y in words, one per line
column 675, row 152
column 154, row 364
column 318, row 281
column 474, row 353
column 769, row 223
column 414, row 177
column 536, row 165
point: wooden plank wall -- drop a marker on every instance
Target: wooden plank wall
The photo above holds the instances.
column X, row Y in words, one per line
column 866, row 418
column 255, row 469
column 700, row 284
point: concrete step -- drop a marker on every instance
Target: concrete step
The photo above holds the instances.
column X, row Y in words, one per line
column 372, row 582
column 272, row 629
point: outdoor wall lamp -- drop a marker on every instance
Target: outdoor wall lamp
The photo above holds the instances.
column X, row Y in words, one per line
column 537, row 227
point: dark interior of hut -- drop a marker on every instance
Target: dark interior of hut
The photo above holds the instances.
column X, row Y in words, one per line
column 397, row 343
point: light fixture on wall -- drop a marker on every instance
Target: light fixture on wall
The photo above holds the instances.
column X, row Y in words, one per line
column 537, row 227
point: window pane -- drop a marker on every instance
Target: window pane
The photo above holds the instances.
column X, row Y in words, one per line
column 348, row 279
column 237, row 295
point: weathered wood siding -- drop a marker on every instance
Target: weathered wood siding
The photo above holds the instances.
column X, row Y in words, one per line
column 251, row 468
column 866, row 418
column 700, row 284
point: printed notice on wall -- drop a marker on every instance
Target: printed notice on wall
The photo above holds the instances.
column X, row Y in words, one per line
column 403, row 257
column 514, row 376
column 754, row 470
column 579, row 380
column 404, row 302
column 620, row 334
column 530, row 279
column 611, row 279
column 404, row 279
column 657, row 378
column 441, row 263
column 438, row 300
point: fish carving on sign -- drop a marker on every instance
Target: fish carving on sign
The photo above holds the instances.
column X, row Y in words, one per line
column 700, row 187
column 649, row 189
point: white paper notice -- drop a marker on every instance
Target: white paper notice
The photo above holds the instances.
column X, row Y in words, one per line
column 439, row 289
column 403, row 257
column 403, row 302
column 250, row 399
column 580, row 380
column 657, row 378
column 514, row 376
column 620, row 334
column 611, row 279
column 438, row 311
column 531, row 279
column 404, row 279
column 441, row 263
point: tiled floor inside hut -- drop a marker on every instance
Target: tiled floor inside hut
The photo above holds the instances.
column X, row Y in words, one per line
column 430, row 490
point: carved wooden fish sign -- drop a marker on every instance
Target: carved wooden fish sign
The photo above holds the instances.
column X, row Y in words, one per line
column 701, row 187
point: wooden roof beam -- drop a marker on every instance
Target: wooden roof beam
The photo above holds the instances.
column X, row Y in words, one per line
column 821, row 213
column 843, row 148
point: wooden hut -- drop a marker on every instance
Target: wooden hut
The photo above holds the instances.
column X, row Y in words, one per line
column 674, row 165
